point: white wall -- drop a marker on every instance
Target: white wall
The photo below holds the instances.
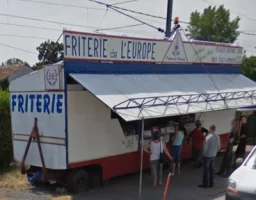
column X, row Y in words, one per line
column 34, row 81
column 221, row 119
column 92, row 133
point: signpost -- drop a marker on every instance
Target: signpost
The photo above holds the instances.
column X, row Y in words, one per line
column 95, row 47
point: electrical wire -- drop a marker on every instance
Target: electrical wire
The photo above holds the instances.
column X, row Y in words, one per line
column 63, row 5
column 47, row 21
column 123, row 2
column 113, row 8
column 22, row 36
column 119, row 27
column 102, row 19
column 6, row 45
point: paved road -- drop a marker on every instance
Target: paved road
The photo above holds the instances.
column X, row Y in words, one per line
column 182, row 187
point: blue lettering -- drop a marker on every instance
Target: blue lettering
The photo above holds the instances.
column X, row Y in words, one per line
column 74, row 43
column 59, row 103
column 84, row 39
column 26, row 103
column 89, row 47
column 144, row 50
column 66, row 45
column 46, row 103
column 79, row 51
column 53, row 102
column 153, row 51
column 13, row 102
column 96, row 46
column 139, row 50
column 122, row 49
column 149, row 49
column 128, row 50
column 38, row 103
column 20, row 104
column 104, row 48
column 32, row 97
column 134, row 50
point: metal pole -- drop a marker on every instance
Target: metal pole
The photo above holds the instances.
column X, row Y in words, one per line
column 141, row 156
column 169, row 18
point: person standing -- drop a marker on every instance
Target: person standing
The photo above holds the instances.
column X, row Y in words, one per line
column 198, row 139
column 241, row 148
column 177, row 146
column 226, row 165
column 154, row 148
column 210, row 150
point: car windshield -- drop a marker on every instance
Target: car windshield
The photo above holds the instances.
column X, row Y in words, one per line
column 251, row 162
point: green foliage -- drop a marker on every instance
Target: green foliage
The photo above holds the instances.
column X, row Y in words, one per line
column 50, row 52
column 214, row 24
column 15, row 61
column 4, row 84
column 6, row 153
column 249, row 67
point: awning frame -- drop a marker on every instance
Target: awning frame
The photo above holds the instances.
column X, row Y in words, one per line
column 146, row 102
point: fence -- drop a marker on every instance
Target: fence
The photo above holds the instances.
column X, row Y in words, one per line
column 6, row 151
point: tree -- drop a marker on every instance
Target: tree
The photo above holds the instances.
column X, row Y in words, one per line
column 49, row 52
column 214, row 25
column 249, row 67
column 15, row 61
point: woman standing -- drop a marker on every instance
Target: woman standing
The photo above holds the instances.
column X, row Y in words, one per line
column 154, row 148
column 177, row 145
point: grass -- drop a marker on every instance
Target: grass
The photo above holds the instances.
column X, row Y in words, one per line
column 13, row 180
column 61, row 198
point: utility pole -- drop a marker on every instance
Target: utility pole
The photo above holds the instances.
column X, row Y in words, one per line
column 169, row 19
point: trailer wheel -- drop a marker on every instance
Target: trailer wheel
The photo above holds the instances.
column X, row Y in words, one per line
column 77, row 181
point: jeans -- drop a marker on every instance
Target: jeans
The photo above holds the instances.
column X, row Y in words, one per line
column 176, row 153
column 208, row 171
column 156, row 170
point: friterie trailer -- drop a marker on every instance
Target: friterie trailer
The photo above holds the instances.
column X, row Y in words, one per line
column 84, row 120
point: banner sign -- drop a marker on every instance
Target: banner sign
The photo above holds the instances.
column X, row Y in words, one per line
column 95, row 47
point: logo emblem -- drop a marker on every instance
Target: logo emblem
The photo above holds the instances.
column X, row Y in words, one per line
column 52, row 76
column 176, row 51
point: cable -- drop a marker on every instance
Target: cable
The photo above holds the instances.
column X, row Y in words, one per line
column 21, row 36
column 48, row 21
column 119, row 27
column 113, row 8
column 64, row 5
column 18, row 49
column 102, row 19
column 123, row 2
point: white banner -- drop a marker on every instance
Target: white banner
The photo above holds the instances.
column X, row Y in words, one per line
column 95, row 47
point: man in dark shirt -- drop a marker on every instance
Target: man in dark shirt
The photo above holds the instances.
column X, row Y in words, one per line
column 198, row 139
column 241, row 148
column 226, row 164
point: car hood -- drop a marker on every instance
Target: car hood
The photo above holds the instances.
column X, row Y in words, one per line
column 245, row 179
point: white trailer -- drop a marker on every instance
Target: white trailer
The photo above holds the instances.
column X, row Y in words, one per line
column 89, row 113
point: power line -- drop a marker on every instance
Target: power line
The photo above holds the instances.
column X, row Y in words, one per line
column 119, row 27
column 18, row 48
column 123, row 2
column 113, row 8
column 63, row 5
column 102, row 18
column 47, row 21
column 22, row 36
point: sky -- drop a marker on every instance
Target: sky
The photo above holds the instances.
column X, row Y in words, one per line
column 19, row 29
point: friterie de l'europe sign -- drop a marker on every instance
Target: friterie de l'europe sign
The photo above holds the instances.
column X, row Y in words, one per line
column 87, row 46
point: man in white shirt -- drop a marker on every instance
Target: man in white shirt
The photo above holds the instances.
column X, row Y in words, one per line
column 210, row 150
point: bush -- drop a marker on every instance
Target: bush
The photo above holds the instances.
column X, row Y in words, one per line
column 6, row 153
